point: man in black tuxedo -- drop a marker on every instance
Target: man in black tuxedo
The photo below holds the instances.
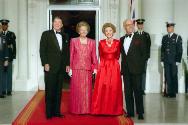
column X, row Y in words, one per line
column 54, row 54
column 146, row 38
column 134, row 54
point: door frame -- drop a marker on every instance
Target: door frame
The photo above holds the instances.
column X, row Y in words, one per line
column 74, row 8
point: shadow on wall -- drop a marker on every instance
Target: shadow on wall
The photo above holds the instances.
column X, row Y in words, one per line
column 185, row 67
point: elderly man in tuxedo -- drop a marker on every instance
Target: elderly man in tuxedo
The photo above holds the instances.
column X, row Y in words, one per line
column 54, row 54
column 134, row 55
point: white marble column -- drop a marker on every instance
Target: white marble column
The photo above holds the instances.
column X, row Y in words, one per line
column 123, row 14
column 1, row 8
column 20, row 81
column 22, row 40
column 109, row 12
column 37, row 23
column 156, row 13
column 181, row 18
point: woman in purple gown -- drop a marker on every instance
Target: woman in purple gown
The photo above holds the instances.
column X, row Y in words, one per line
column 82, row 59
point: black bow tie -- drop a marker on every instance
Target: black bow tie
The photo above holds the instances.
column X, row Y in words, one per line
column 3, row 33
column 58, row 32
column 128, row 35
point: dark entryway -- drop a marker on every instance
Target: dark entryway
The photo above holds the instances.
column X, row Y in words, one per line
column 72, row 17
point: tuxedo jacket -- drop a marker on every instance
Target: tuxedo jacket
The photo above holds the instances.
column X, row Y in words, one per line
column 50, row 52
column 134, row 60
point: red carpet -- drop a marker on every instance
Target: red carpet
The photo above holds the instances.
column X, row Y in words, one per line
column 34, row 114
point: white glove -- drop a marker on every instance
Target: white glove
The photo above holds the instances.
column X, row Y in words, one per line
column 70, row 73
column 148, row 61
column 177, row 63
column 95, row 71
column 162, row 64
column 6, row 63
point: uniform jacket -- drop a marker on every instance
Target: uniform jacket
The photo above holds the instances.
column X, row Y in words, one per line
column 3, row 49
column 147, row 40
column 171, row 49
column 11, row 43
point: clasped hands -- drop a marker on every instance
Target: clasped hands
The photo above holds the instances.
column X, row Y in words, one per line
column 70, row 72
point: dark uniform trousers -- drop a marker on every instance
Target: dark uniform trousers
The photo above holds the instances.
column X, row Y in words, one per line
column 7, row 79
column 1, row 76
column 171, row 78
column 3, row 56
column 171, row 53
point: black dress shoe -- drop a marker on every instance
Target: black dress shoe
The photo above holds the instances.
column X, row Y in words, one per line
column 4, row 93
column 9, row 93
column 171, row 95
column 48, row 117
column 140, row 117
column 143, row 93
column 2, row 96
column 59, row 115
column 165, row 95
column 128, row 115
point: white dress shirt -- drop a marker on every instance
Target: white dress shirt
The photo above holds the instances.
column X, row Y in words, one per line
column 170, row 35
column 5, row 32
column 127, row 43
column 59, row 39
column 140, row 32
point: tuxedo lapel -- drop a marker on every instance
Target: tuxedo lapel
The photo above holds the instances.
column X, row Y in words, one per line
column 131, row 45
column 64, row 40
column 122, row 44
column 55, row 39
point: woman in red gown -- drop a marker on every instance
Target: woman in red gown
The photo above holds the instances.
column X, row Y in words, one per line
column 107, row 97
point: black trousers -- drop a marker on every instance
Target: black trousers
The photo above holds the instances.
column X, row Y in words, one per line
column 171, row 78
column 53, row 91
column 144, row 77
column 133, row 92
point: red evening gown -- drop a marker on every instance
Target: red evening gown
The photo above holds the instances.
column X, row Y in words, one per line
column 107, row 97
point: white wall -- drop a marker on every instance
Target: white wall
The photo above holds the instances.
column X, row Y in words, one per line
column 181, row 19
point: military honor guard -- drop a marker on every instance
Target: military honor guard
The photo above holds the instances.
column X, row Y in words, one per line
column 171, row 54
column 3, row 62
column 146, row 39
column 10, row 40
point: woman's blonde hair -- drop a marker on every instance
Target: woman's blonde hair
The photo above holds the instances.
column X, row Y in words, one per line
column 80, row 24
column 106, row 25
